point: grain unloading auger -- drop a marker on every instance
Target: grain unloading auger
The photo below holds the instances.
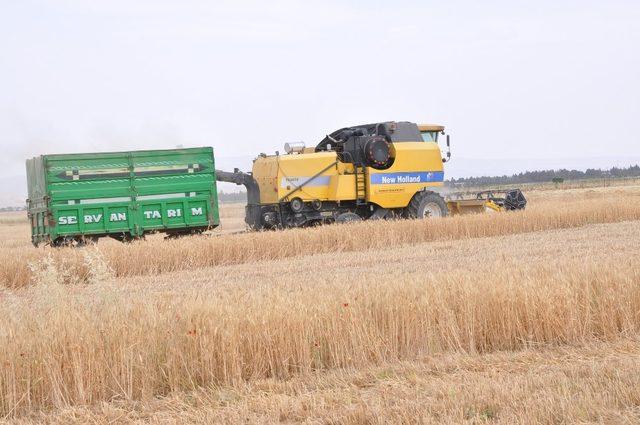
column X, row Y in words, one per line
column 373, row 171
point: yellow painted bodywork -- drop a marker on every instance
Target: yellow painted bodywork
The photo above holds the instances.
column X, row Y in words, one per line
column 467, row 206
column 278, row 176
column 409, row 157
column 472, row 206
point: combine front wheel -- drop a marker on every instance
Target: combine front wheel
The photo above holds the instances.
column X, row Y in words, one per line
column 426, row 205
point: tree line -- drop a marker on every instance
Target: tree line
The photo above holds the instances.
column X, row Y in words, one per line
column 544, row 176
column 232, row 197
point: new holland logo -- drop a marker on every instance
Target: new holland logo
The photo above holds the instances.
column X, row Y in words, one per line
column 407, row 178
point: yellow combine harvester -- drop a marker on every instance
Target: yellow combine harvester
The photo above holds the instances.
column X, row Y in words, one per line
column 372, row 171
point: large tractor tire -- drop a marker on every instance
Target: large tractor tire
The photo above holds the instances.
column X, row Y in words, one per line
column 426, row 205
column 348, row 217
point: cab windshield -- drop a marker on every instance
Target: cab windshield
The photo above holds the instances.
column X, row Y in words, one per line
column 429, row 136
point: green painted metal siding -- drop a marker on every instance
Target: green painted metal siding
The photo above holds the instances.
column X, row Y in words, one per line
column 121, row 192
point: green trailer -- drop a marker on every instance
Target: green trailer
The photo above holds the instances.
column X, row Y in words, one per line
column 124, row 195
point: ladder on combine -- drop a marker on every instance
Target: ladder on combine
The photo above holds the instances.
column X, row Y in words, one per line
column 361, row 184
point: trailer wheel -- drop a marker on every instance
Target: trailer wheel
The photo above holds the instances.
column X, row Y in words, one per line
column 87, row 240
column 122, row 237
column 183, row 233
column 426, row 205
column 62, row 241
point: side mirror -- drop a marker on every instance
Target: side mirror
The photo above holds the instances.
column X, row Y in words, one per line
column 448, row 150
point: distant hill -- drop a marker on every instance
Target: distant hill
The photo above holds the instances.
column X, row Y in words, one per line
column 231, row 197
column 13, row 191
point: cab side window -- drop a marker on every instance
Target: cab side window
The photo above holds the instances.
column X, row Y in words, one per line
column 429, row 136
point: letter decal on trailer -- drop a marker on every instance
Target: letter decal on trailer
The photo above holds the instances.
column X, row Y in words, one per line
column 152, row 214
column 95, row 218
column 196, row 211
column 118, row 217
column 69, row 219
column 174, row 213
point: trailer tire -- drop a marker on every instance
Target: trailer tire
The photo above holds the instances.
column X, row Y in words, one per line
column 426, row 205
column 87, row 240
column 122, row 237
column 62, row 242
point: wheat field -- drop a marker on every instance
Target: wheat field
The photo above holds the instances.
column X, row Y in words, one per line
column 156, row 256
column 509, row 318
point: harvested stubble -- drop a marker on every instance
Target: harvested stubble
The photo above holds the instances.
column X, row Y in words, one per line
column 67, row 345
column 590, row 383
column 14, row 217
column 157, row 256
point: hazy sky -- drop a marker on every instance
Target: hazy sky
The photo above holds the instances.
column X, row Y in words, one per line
column 509, row 79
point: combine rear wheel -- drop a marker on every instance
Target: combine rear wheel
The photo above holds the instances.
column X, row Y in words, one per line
column 348, row 217
column 426, row 205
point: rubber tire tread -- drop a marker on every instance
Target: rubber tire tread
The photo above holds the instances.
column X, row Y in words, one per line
column 421, row 198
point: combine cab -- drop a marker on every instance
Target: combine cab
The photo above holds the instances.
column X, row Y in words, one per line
column 373, row 171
